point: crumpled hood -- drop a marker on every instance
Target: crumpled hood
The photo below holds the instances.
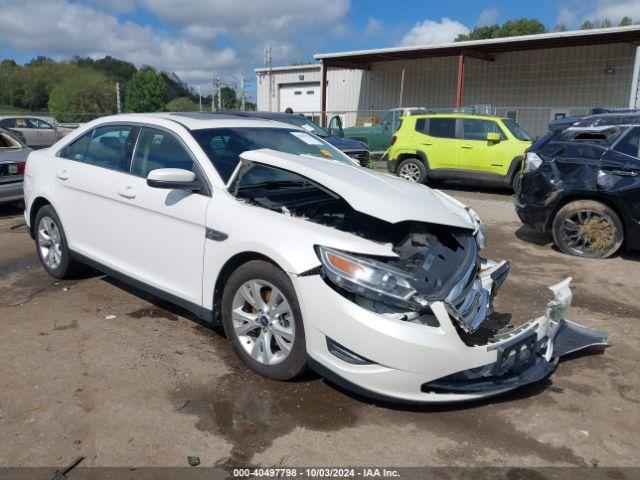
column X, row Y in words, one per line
column 367, row 191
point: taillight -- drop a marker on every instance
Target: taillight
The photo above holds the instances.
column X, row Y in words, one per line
column 393, row 139
column 21, row 166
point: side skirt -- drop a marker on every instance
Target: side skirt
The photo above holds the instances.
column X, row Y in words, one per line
column 202, row 313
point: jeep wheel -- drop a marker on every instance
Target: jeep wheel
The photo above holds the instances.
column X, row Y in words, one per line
column 587, row 228
column 412, row 169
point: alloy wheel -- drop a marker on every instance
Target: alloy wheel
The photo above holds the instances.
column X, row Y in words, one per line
column 263, row 321
column 49, row 242
column 410, row 172
column 590, row 232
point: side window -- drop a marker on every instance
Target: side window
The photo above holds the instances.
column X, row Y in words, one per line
column 78, row 148
column 159, row 149
column 478, row 129
column 8, row 123
column 38, row 123
column 22, row 123
column 110, row 147
column 629, row 143
column 442, row 127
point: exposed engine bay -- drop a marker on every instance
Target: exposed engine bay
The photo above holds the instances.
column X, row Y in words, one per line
column 441, row 262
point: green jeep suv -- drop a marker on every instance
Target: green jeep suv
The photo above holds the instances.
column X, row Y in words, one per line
column 431, row 148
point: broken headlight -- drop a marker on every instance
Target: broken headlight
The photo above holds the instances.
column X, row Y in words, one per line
column 370, row 278
column 478, row 231
column 531, row 162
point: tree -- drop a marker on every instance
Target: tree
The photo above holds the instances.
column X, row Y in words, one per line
column 625, row 22
column 229, row 100
column 182, row 104
column 512, row 28
column 586, row 25
column 561, row 27
column 84, row 92
column 145, row 92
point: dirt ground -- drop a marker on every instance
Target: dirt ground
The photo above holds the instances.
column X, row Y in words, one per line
column 151, row 386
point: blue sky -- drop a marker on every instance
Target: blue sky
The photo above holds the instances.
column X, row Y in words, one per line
column 198, row 38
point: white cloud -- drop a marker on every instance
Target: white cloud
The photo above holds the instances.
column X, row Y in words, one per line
column 255, row 18
column 489, row 16
column 431, row 32
column 573, row 12
column 115, row 6
column 64, row 29
column 615, row 10
column 373, row 28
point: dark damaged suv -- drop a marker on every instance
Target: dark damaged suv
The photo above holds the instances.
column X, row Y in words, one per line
column 583, row 185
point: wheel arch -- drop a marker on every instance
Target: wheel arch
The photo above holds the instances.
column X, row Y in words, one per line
column 230, row 266
column 419, row 155
column 514, row 167
column 36, row 205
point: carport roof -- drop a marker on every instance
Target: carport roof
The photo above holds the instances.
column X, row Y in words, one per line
column 484, row 49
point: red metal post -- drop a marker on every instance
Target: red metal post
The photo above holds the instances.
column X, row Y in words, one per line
column 460, row 81
column 324, row 95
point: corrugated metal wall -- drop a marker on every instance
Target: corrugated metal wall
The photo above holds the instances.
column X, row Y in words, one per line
column 533, row 83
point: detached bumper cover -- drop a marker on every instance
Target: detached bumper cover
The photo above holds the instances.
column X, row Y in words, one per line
column 526, row 358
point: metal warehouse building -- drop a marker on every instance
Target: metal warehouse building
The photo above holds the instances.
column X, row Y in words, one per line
column 532, row 78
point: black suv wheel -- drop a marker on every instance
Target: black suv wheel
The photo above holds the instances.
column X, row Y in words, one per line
column 587, row 228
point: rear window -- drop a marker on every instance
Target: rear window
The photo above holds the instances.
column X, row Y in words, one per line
column 599, row 137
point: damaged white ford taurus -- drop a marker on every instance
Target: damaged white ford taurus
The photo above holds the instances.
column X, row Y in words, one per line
column 305, row 258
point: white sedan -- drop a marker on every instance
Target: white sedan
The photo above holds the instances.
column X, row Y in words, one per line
column 304, row 257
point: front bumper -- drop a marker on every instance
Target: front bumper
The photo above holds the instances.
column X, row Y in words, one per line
column 534, row 216
column 417, row 362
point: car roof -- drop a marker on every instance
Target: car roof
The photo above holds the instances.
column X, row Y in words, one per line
column 196, row 120
column 457, row 115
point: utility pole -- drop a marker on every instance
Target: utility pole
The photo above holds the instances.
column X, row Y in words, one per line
column 267, row 64
column 219, row 93
column 199, row 96
column 241, row 93
column 213, row 90
column 118, row 106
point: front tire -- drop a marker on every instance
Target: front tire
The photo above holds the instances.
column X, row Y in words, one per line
column 263, row 322
column 587, row 228
column 52, row 246
column 413, row 170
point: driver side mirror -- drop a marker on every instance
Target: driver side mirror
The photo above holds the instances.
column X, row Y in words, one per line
column 493, row 137
column 173, row 179
column 335, row 126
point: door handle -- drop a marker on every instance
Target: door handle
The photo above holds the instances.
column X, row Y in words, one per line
column 625, row 173
column 466, row 146
column 127, row 192
column 427, row 143
column 62, row 174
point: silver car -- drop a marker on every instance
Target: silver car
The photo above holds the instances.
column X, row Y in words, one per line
column 13, row 158
column 38, row 131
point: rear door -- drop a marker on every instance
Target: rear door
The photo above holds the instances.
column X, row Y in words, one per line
column 477, row 153
column 86, row 178
column 437, row 139
column 44, row 132
column 619, row 172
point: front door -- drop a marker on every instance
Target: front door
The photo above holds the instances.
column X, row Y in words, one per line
column 477, row 153
column 161, row 232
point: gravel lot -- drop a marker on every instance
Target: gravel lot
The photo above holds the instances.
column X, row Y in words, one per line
column 151, row 386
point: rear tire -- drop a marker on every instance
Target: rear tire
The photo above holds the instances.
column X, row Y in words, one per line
column 52, row 246
column 263, row 322
column 587, row 228
column 413, row 170
column 515, row 181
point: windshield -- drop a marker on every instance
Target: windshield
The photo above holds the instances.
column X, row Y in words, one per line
column 223, row 146
column 308, row 125
column 516, row 130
